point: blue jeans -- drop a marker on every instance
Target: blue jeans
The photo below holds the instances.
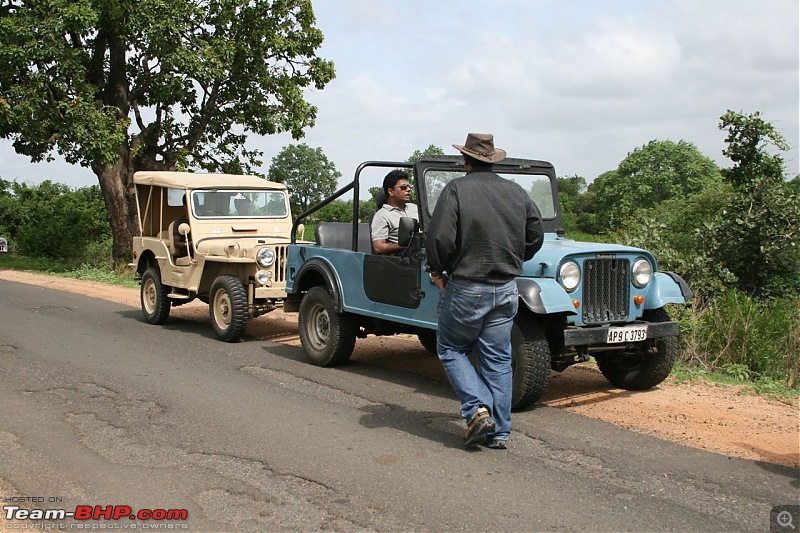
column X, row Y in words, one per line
column 479, row 316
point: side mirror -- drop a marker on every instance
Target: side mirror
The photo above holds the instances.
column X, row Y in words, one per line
column 184, row 228
column 406, row 231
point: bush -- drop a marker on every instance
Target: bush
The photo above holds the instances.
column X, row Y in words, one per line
column 99, row 254
column 51, row 220
column 745, row 338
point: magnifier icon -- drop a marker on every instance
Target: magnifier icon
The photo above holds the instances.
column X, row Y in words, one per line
column 784, row 519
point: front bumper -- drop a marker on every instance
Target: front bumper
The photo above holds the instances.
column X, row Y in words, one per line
column 596, row 336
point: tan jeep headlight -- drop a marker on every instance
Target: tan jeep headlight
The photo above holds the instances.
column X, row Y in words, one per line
column 569, row 275
column 263, row 277
column 265, row 257
column 642, row 272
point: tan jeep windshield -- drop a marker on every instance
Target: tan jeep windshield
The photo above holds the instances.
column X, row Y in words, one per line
column 241, row 203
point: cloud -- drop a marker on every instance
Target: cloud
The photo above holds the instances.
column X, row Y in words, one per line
column 580, row 83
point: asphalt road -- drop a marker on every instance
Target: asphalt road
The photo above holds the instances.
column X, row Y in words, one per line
column 99, row 408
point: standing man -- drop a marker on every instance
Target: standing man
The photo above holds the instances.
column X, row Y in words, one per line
column 483, row 229
column 386, row 222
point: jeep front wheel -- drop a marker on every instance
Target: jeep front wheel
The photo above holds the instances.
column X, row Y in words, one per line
column 153, row 297
column 641, row 370
column 530, row 360
column 228, row 308
column 328, row 337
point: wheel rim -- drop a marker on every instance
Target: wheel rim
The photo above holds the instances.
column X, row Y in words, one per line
column 149, row 296
column 319, row 328
column 222, row 309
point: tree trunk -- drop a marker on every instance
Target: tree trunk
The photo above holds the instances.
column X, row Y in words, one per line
column 116, row 183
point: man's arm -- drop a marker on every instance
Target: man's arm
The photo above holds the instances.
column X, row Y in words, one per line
column 382, row 246
column 534, row 234
column 440, row 244
column 380, row 236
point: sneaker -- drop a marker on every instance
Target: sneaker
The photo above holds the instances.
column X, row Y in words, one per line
column 478, row 427
column 497, row 444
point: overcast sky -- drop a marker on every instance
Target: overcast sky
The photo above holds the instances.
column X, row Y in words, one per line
column 580, row 83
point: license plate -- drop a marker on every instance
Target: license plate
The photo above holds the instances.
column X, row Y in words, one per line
column 626, row 334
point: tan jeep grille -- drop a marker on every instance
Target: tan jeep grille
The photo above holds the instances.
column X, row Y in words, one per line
column 280, row 264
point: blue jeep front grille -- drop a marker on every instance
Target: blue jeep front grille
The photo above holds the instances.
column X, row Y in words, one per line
column 606, row 290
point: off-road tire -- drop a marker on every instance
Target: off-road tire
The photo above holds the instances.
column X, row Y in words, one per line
column 530, row 360
column 328, row 337
column 427, row 338
column 634, row 371
column 153, row 297
column 227, row 308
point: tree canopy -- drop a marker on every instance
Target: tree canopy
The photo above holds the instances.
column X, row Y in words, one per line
column 126, row 85
column 655, row 172
column 307, row 173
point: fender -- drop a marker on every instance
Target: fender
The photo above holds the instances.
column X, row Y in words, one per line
column 319, row 267
column 544, row 296
column 667, row 288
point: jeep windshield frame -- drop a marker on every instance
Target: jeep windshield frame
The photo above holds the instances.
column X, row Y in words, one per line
column 542, row 176
column 240, row 203
column 538, row 178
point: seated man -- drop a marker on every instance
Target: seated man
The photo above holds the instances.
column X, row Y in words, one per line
column 386, row 221
column 183, row 247
column 243, row 204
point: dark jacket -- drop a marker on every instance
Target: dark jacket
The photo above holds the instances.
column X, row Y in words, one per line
column 483, row 228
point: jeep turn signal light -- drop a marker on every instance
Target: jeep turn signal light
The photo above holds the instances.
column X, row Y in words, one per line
column 576, row 303
column 638, row 299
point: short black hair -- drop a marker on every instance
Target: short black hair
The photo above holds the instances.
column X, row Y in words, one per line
column 392, row 178
column 477, row 164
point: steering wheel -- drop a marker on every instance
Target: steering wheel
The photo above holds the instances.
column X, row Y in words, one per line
column 217, row 213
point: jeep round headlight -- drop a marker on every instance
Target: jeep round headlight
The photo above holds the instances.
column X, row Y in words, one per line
column 263, row 277
column 569, row 275
column 265, row 257
column 642, row 272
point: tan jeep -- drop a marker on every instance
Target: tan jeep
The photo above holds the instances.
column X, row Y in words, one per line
column 234, row 230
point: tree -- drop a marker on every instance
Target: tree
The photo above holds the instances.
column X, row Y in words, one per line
column 794, row 184
column 649, row 175
column 307, row 173
column 127, row 85
column 433, row 184
column 570, row 191
column 758, row 238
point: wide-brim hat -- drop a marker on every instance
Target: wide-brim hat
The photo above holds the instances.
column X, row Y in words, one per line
column 481, row 147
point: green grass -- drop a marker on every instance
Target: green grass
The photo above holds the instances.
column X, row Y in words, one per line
column 768, row 387
column 120, row 276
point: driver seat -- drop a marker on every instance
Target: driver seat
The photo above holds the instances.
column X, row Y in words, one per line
column 180, row 261
column 380, row 199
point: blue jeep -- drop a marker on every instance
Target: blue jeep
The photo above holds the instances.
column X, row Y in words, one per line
column 577, row 299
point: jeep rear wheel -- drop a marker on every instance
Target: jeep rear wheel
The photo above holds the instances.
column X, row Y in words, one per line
column 530, row 360
column 328, row 337
column 639, row 371
column 153, row 297
column 228, row 308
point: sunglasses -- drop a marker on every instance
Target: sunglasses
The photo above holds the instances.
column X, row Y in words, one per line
column 404, row 186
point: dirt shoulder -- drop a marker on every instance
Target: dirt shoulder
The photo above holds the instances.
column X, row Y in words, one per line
column 698, row 414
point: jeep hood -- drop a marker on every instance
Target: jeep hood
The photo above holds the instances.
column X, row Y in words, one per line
column 555, row 250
